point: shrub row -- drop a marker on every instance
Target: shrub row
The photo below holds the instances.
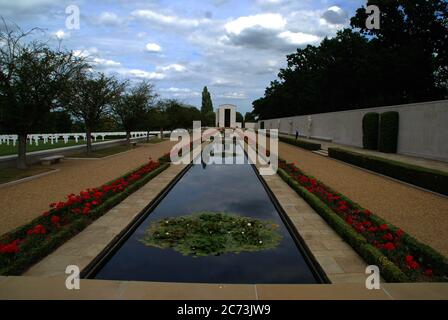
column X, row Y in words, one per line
column 301, row 143
column 380, row 132
column 426, row 178
column 26, row 245
column 388, row 137
column 400, row 257
column 370, row 127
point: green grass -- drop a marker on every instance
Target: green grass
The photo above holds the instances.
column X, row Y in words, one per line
column 103, row 152
column 155, row 140
column 12, row 174
column 6, row 150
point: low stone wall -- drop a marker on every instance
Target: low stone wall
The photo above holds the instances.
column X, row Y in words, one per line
column 423, row 127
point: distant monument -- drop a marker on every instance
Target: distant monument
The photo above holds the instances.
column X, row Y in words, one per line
column 226, row 116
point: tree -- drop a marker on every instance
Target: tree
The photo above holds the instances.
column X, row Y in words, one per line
column 249, row 117
column 90, row 97
column 405, row 61
column 207, row 108
column 32, row 80
column 59, row 121
column 133, row 106
column 239, row 117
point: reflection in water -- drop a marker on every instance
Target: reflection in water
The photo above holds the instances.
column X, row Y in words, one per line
column 213, row 188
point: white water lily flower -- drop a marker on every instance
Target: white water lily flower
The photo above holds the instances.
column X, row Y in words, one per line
column 260, row 242
column 249, row 224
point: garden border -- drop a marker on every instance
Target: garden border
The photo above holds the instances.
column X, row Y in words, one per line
column 389, row 271
column 34, row 255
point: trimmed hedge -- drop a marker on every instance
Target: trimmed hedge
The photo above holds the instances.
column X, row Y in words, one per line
column 388, row 138
column 53, row 241
column 370, row 130
column 301, row 143
column 433, row 180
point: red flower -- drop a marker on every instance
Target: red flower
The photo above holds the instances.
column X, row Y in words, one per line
column 38, row 229
column 388, row 236
column 399, row 233
column 383, row 227
column 409, row 258
column 55, row 219
column 85, row 211
column 389, row 246
column 413, row 265
column 10, row 247
column 428, row 272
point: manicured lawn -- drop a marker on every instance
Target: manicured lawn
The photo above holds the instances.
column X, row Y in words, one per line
column 103, row 152
column 155, row 140
column 11, row 174
column 10, row 149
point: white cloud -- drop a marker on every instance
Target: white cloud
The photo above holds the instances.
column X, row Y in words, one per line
column 298, row 38
column 109, row 18
column 172, row 67
column 335, row 16
column 180, row 92
column 164, row 19
column 271, row 21
column 153, row 47
column 141, row 74
column 61, row 34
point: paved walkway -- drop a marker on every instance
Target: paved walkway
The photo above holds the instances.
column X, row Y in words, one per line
column 422, row 214
column 426, row 163
column 25, row 201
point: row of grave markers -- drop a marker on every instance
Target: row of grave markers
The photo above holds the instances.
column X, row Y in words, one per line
column 53, row 138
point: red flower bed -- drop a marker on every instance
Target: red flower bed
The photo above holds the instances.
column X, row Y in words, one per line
column 385, row 238
column 62, row 214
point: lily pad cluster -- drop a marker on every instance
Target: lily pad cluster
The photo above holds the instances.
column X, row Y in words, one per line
column 212, row 233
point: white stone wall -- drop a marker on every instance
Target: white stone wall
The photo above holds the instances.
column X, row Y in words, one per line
column 220, row 120
column 423, row 127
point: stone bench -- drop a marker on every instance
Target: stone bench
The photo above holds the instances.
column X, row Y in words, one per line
column 51, row 159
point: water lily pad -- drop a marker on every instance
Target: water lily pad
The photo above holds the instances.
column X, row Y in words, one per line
column 210, row 233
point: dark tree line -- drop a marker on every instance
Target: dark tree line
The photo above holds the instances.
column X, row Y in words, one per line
column 405, row 61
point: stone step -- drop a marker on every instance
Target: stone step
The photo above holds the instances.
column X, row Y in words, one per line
column 321, row 152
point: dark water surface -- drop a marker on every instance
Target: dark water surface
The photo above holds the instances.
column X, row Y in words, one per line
column 221, row 188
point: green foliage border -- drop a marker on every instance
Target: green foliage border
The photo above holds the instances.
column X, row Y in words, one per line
column 53, row 241
column 389, row 271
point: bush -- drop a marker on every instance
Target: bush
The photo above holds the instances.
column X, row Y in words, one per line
column 370, row 127
column 301, row 143
column 388, row 137
column 400, row 257
column 426, row 178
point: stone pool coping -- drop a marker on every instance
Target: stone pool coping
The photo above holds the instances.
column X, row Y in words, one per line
column 44, row 288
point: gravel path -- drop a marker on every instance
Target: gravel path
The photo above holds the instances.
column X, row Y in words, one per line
column 422, row 214
column 25, row 201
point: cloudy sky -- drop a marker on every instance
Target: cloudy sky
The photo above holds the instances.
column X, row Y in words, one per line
column 235, row 47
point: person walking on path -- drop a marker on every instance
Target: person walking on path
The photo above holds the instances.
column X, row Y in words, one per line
column 297, row 133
